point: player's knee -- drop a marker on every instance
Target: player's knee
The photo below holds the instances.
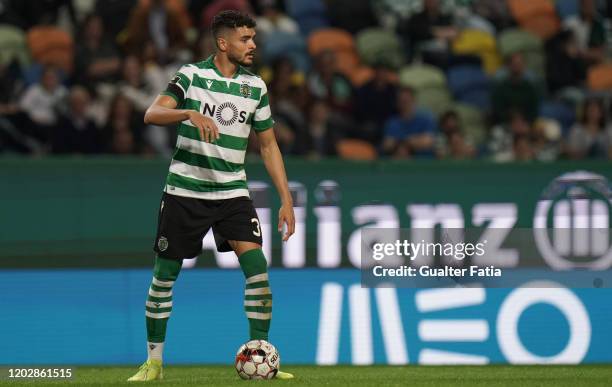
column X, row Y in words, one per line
column 167, row 269
column 253, row 262
column 241, row 247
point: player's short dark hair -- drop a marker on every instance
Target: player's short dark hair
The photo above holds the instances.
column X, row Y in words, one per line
column 231, row 19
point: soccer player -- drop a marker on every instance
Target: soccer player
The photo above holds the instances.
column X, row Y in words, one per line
column 216, row 102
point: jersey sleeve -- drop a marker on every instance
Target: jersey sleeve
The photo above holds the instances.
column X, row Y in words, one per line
column 178, row 86
column 262, row 119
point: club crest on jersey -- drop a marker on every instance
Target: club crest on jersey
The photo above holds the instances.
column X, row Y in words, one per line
column 245, row 90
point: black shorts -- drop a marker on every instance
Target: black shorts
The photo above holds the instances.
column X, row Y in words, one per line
column 183, row 222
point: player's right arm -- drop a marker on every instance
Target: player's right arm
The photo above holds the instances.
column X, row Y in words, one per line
column 163, row 112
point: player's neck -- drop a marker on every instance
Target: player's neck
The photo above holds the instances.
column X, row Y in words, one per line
column 225, row 66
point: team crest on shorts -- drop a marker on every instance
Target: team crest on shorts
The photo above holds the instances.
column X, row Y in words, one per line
column 162, row 243
column 245, row 90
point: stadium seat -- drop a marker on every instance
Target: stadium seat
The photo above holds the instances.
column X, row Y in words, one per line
column 360, row 75
column 566, row 8
column 376, row 45
column 13, row 45
column 435, row 99
column 288, row 45
column 353, row 149
column 530, row 45
column 421, row 77
column 600, row 77
column 517, row 40
column 479, row 23
column 523, row 10
column 311, row 15
column 429, row 84
column 333, row 39
column 480, row 43
column 347, row 61
column 470, row 85
column 51, row 46
column 177, row 7
column 543, row 26
column 343, row 45
column 536, row 16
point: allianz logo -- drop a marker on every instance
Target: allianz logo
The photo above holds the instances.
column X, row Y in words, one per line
column 571, row 220
column 436, row 332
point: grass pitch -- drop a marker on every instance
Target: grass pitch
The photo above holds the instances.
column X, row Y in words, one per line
column 574, row 376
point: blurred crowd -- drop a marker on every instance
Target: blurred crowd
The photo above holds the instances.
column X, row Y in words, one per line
column 449, row 79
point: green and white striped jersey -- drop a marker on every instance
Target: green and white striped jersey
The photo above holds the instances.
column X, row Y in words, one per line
column 215, row 170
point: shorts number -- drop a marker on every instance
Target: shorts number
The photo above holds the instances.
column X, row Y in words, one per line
column 256, row 232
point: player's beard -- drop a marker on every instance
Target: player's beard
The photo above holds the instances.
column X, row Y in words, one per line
column 241, row 61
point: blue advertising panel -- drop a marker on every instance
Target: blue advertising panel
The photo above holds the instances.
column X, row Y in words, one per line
column 320, row 317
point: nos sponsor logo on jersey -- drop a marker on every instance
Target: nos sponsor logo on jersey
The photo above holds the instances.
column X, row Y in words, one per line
column 226, row 113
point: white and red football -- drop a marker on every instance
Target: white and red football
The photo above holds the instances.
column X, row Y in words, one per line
column 257, row 359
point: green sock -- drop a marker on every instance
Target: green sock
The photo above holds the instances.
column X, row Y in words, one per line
column 257, row 294
column 159, row 301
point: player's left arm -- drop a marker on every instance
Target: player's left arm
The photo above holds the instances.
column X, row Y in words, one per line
column 273, row 160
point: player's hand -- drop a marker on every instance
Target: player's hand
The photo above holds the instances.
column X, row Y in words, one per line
column 206, row 126
column 286, row 216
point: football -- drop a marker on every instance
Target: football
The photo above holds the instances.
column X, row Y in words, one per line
column 257, row 359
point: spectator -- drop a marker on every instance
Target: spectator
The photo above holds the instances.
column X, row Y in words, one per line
column 273, row 20
column 591, row 137
column 545, row 139
column 134, row 84
column 124, row 127
column 429, row 32
column 96, row 58
column 204, row 46
column 217, row 6
column 37, row 12
column 115, row 14
column 154, row 76
column 328, row 84
column 515, row 92
column 122, row 142
column 502, row 144
column 351, row 15
column 450, row 141
column 291, row 101
column 11, row 85
column 410, row 132
column 375, row 102
column 325, row 129
column 564, row 66
column 496, row 12
column 42, row 102
column 284, row 78
column 76, row 131
column 156, row 21
column 589, row 31
column 522, row 148
column 390, row 13
column 13, row 120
